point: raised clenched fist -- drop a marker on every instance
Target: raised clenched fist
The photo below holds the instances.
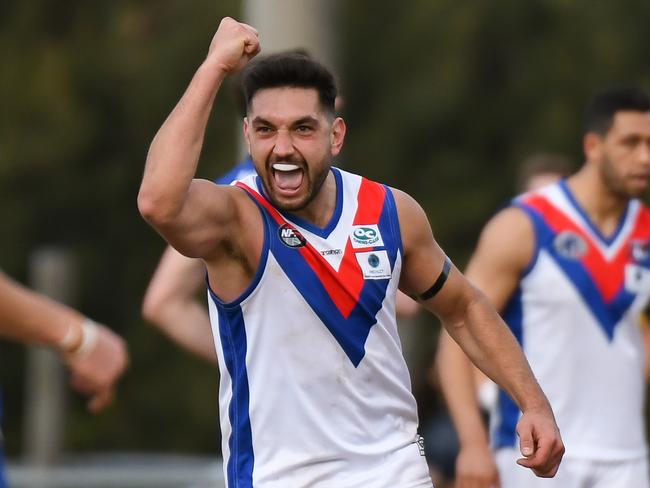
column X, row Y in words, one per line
column 233, row 45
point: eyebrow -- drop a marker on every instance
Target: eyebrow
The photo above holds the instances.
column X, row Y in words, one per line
column 308, row 119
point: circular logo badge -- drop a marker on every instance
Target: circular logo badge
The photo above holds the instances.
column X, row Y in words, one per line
column 640, row 250
column 373, row 260
column 570, row 245
column 291, row 237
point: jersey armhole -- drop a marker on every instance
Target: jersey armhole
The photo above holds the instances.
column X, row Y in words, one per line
column 260, row 266
column 537, row 223
column 394, row 220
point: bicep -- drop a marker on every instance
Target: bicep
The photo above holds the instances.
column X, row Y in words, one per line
column 206, row 218
column 423, row 258
column 503, row 252
column 423, row 271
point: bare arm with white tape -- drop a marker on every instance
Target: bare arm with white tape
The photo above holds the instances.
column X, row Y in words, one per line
column 95, row 356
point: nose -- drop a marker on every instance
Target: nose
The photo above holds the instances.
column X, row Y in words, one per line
column 283, row 143
column 645, row 152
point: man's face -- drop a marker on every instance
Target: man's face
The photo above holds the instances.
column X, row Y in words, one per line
column 623, row 154
column 291, row 140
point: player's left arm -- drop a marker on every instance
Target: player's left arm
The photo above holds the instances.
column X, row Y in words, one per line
column 474, row 324
column 170, row 303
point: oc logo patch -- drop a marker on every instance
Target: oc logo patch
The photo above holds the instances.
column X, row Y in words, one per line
column 290, row 237
column 366, row 236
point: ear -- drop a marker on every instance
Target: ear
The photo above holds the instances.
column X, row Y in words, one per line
column 337, row 136
column 247, row 135
column 592, row 145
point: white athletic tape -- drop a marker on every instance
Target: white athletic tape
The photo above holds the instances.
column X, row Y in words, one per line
column 69, row 340
column 89, row 338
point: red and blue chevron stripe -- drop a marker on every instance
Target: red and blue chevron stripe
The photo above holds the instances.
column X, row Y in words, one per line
column 599, row 280
column 344, row 301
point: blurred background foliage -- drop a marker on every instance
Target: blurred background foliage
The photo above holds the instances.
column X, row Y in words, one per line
column 443, row 99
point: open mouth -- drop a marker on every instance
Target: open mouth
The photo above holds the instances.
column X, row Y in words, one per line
column 287, row 176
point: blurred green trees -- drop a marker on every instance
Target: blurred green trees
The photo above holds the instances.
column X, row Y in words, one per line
column 442, row 98
column 446, row 97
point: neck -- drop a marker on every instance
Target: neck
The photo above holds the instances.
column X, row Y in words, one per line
column 604, row 207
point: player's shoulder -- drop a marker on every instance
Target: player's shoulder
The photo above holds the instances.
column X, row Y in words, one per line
column 511, row 222
column 554, row 197
column 508, row 237
column 409, row 210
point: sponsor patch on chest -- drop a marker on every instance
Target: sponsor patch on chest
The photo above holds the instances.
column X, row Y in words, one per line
column 366, row 236
column 640, row 250
column 637, row 279
column 375, row 265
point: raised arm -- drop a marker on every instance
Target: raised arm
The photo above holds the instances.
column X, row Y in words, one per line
column 195, row 216
column 95, row 356
column 473, row 323
column 170, row 303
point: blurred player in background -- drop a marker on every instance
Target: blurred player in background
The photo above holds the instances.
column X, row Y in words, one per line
column 442, row 446
column 536, row 171
column 95, row 356
column 569, row 267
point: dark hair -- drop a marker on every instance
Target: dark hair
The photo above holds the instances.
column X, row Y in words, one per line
column 540, row 163
column 291, row 69
column 603, row 106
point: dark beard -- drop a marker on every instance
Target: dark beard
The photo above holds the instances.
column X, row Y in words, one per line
column 312, row 191
column 613, row 182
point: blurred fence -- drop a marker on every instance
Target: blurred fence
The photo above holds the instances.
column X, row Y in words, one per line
column 123, row 470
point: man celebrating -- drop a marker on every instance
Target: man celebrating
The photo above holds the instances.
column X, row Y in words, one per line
column 304, row 262
column 569, row 266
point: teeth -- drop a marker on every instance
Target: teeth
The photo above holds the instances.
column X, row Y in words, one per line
column 285, row 167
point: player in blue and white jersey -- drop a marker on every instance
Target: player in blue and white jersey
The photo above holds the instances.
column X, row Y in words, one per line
column 304, row 262
column 569, row 267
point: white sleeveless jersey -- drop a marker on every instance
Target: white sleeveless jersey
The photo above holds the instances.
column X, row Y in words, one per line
column 576, row 314
column 314, row 389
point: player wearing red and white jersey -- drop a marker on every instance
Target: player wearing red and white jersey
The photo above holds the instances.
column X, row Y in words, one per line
column 316, row 335
column 315, row 392
column 569, row 267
